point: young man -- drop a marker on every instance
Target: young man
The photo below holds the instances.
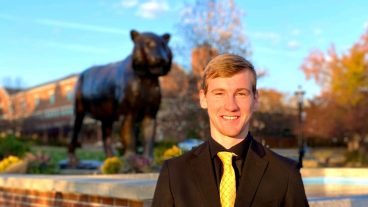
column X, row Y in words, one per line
column 230, row 168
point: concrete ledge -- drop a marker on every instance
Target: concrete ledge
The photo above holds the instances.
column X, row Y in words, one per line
column 126, row 186
column 335, row 172
column 344, row 201
column 321, row 188
column 333, row 183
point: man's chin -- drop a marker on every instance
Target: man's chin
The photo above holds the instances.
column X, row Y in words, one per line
column 233, row 135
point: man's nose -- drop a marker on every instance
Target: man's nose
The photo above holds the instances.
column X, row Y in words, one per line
column 230, row 103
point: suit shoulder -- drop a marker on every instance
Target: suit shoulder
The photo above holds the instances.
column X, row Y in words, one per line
column 280, row 159
column 184, row 158
column 273, row 157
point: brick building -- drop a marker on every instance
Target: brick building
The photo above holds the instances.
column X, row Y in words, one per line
column 45, row 110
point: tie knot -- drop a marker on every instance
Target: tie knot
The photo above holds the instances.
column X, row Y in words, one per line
column 226, row 157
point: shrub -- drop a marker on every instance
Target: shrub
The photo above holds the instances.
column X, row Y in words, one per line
column 10, row 145
column 138, row 163
column 112, row 165
column 159, row 150
column 174, row 151
column 6, row 162
column 41, row 163
column 356, row 157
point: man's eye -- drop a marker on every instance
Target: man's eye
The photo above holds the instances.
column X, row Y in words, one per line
column 218, row 94
column 243, row 94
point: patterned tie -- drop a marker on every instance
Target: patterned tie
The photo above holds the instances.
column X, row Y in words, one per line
column 228, row 183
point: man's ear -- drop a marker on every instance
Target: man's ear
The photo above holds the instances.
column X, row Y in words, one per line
column 256, row 101
column 202, row 99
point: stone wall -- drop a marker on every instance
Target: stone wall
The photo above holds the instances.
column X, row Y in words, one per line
column 134, row 190
column 16, row 197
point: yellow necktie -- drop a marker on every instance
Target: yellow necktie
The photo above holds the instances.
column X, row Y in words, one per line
column 228, row 183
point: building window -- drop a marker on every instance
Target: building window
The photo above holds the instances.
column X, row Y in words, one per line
column 2, row 112
column 70, row 95
column 52, row 98
column 24, row 105
column 36, row 101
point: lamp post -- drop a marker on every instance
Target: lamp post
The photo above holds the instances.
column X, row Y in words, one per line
column 300, row 96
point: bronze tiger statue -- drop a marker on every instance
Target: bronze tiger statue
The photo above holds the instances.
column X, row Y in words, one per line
column 128, row 88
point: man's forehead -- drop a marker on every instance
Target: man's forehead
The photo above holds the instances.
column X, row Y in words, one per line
column 224, row 83
column 219, row 75
column 245, row 76
column 219, row 89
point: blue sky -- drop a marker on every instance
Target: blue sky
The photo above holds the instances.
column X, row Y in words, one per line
column 45, row 40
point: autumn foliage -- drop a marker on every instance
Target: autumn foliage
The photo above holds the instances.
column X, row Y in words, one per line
column 341, row 110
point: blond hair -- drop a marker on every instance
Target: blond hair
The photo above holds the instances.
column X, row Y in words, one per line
column 227, row 65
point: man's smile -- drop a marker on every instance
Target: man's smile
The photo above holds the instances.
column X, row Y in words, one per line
column 230, row 117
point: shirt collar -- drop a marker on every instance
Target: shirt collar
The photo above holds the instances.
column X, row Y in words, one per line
column 239, row 149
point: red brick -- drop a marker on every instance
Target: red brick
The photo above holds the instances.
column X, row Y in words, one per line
column 107, row 200
column 120, row 202
column 80, row 205
column 94, row 199
column 46, row 194
column 7, row 203
column 43, row 201
column 19, row 205
column 16, row 198
column 57, row 202
column 70, row 196
column 24, row 199
column 66, row 204
column 83, row 197
column 135, row 204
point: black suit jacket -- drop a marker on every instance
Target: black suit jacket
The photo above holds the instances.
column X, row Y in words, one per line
column 267, row 180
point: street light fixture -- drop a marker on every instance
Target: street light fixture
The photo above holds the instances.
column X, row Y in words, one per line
column 300, row 96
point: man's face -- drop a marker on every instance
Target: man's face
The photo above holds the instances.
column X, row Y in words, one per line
column 230, row 103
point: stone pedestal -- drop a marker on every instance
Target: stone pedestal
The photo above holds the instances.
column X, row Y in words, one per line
column 135, row 190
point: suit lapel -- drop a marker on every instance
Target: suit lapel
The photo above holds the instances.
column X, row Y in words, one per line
column 252, row 173
column 204, row 176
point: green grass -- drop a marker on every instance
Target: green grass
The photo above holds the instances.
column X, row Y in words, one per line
column 61, row 153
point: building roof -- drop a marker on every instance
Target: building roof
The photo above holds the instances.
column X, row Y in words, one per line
column 11, row 90
column 52, row 81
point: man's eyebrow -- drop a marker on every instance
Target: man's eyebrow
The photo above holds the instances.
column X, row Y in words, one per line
column 217, row 90
column 236, row 90
column 242, row 89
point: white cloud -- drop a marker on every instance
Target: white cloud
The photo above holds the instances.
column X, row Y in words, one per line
column 365, row 26
column 151, row 8
column 129, row 3
column 266, row 36
column 293, row 44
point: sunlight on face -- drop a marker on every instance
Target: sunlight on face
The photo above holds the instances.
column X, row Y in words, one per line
column 230, row 103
